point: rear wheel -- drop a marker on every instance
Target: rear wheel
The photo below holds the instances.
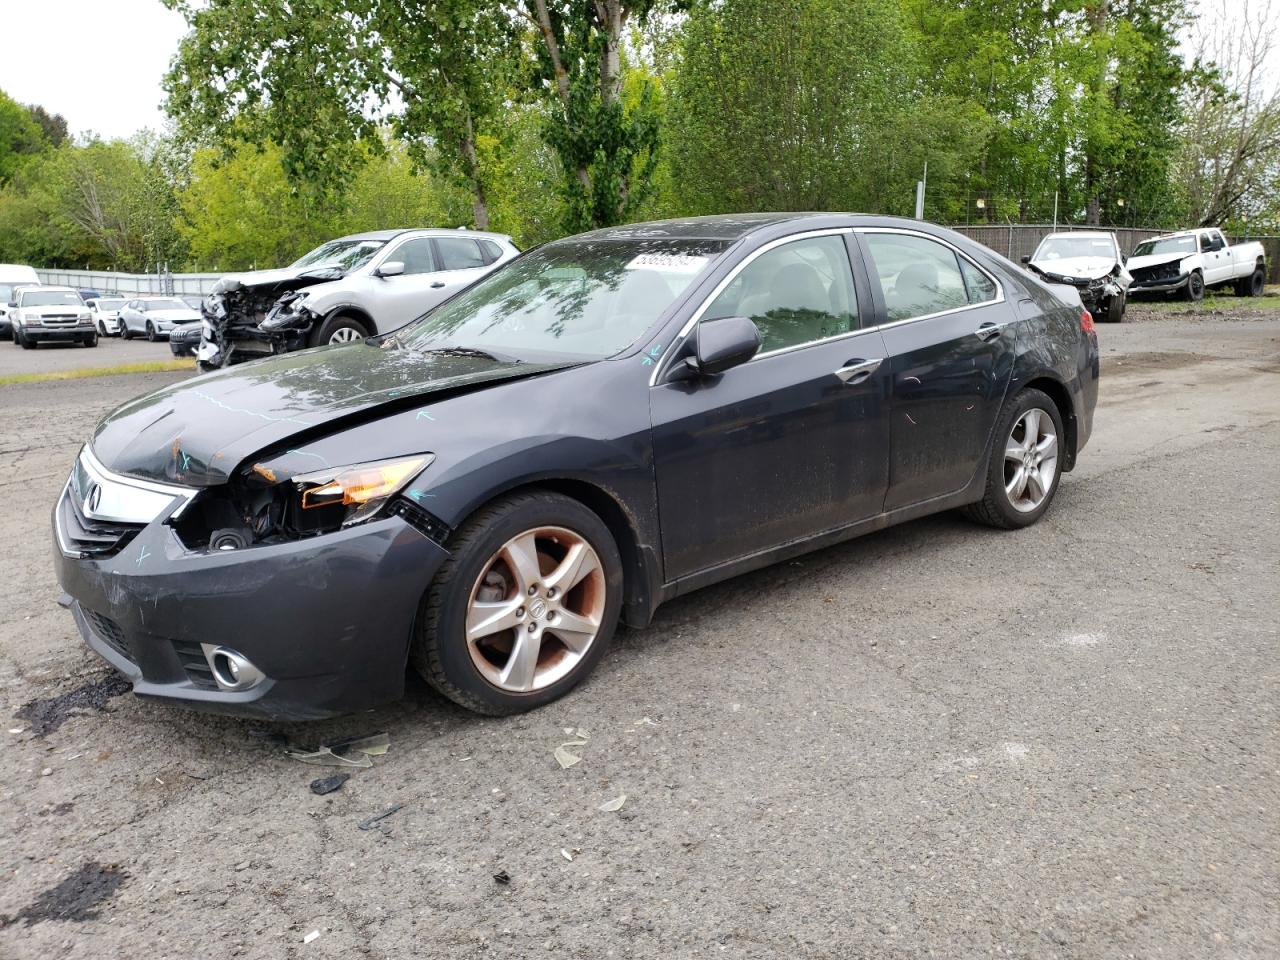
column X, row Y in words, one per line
column 524, row 608
column 1026, row 463
column 1195, row 287
column 1251, row 286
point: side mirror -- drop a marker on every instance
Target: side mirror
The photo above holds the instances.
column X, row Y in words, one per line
column 722, row 345
column 392, row 268
column 13, row 303
column 1026, row 258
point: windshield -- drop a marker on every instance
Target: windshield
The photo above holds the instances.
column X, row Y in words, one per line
column 1165, row 245
column 1060, row 248
column 110, row 303
column 51, row 298
column 585, row 299
column 347, row 254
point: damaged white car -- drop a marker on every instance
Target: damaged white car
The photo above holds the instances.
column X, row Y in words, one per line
column 1091, row 262
column 344, row 290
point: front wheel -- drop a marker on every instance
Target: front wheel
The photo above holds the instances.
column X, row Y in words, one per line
column 25, row 342
column 1195, row 287
column 151, row 331
column 1115, row 309
column 91, row 340
column 1026, row 463
column 125, row 332
column 338, row 330
column 524, row 608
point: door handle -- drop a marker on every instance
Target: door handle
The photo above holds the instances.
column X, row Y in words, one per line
column 987, row 331
column 437, row 285
column 855, row 371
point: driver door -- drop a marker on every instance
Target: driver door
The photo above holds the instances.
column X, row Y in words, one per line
column 793, row 443
column 409, row 295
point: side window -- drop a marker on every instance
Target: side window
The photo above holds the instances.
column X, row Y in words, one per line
column 416, row 256
column 1205, row 242
column 490, row 250
column 981, row 287
column 459, row 253
column 917, row 276
column 797, row 293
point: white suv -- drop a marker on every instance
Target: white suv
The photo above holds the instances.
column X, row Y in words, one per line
column 344, row 290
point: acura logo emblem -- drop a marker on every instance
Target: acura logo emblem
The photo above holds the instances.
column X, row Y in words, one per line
column 94, row 498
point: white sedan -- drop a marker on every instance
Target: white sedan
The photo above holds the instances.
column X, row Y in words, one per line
column 154, row 317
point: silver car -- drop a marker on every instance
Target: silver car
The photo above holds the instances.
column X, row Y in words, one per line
column 153, row 317
column 344, row 290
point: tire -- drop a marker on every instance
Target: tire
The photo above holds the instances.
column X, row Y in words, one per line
column 125, row 332
column 465, row 672
column 151, row 332
column 340, row 326
column 997, row 508
column 1194, row 290
column 102, row 329
column 26, row 343
column 91, row 340
column 1251, row 286
column 1115, row 309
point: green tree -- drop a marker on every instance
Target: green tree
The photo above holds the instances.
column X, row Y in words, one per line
column 807, row 105
column 20, row 137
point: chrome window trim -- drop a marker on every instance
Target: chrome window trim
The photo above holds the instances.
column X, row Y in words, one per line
column 831, row 231
column 732, row 275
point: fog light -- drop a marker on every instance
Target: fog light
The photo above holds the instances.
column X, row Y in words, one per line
column 231, row 670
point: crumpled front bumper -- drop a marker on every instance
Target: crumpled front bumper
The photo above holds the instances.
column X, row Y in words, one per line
column 1159, row 286
column 326, row 619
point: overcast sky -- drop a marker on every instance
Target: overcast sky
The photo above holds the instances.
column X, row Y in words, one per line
column 103, row 60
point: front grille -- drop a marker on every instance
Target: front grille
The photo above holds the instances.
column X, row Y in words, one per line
column 192, row 657
column 433, row 528
column 110, row 632
column 91, row 538
column 1160, row 272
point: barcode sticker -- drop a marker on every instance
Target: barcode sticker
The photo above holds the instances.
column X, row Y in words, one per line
column 668, row 262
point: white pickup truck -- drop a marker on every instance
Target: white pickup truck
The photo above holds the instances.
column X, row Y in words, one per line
column 1192, row 261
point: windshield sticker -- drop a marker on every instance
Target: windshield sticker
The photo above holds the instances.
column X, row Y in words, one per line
column 667, row 262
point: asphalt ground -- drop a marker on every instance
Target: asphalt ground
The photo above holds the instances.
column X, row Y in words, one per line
column 53, row 357
column 935, row 741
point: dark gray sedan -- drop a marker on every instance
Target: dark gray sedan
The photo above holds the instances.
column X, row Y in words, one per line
column 602, row 424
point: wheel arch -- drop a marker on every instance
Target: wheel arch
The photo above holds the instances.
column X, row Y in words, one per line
column 641, row 577
column 355, row 311
column 1057, row 391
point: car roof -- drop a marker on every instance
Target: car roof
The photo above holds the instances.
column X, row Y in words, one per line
column 738, row 225
column 1080, row 233
column 431, row 231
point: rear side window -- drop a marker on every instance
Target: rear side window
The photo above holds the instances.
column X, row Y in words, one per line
column 489, row 250
column 981, row 288
column 917, row 276
column 460, row 253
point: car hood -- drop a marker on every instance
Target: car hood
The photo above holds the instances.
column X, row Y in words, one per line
column 174, row 316
column 56, row 310
column 277, row 281
column 1084, row 268
column 196, row 432
column 1155, row 259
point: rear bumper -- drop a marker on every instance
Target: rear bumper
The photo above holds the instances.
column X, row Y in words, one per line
column 327, row 620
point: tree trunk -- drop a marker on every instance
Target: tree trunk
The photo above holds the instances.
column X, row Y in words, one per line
column 479, row 200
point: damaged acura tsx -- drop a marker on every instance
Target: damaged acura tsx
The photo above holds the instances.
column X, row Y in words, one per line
column 598, row 426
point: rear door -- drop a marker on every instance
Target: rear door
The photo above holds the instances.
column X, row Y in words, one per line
column 463, row 260
column 790, row 444
column 948, row 333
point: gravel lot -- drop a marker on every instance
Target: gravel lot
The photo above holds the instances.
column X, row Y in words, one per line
column 938, row 740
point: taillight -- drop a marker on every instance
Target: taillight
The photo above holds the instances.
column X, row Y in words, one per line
column 1086, row 322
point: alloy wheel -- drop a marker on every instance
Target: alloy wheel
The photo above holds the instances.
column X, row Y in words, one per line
column 535, row 609
column 1030, row 460
column 345, row 335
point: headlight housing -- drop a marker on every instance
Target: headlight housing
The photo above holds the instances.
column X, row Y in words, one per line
column 338, row 497
column 287, row 312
